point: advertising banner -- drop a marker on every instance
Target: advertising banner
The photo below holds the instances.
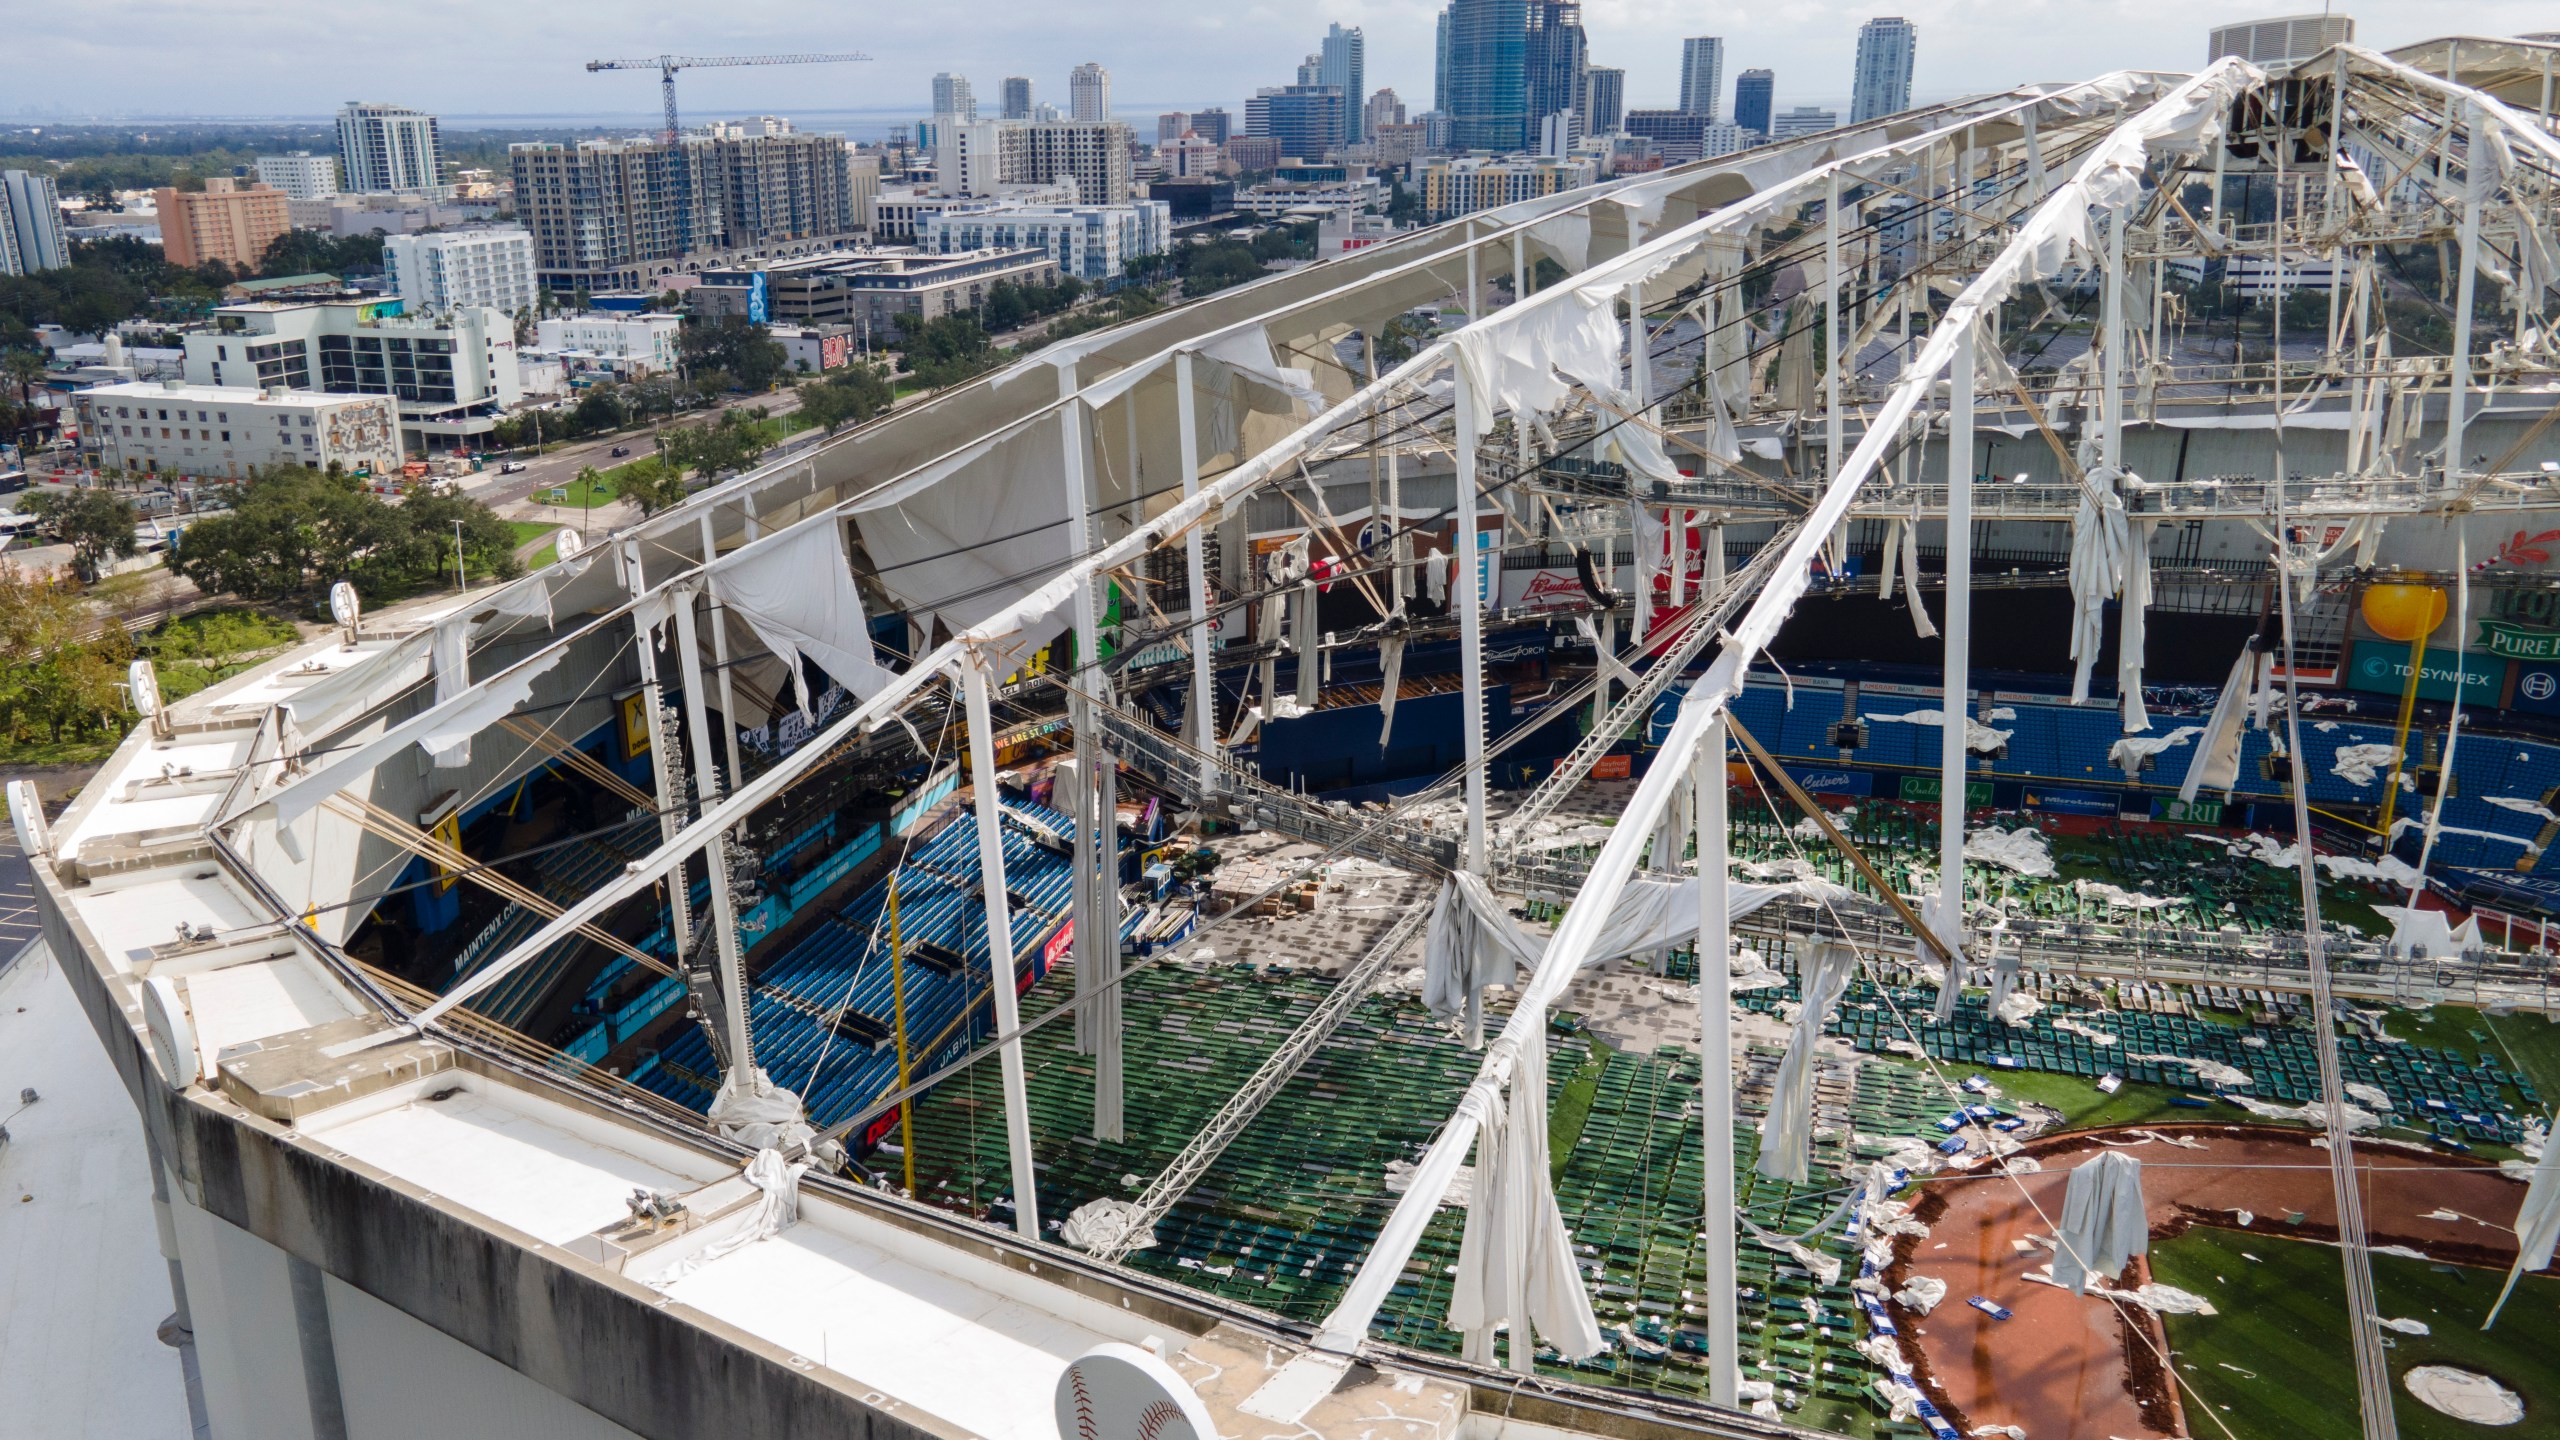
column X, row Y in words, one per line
column 2382, row 666
column 2071, row 802
column 1926, row 790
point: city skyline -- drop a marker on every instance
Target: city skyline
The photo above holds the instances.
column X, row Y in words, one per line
column 1159, row 57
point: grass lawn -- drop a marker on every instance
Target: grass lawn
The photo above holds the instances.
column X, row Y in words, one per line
column 40, row 751
column 1573, row 1104
column 2274, row 1362
column 2083, row 1106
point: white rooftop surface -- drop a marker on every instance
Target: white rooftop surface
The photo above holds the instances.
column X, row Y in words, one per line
column 82, row 1286
column 221, row 394
column 132, row 912
column 182, row 806
column 499, row 1155
column 957, row 1350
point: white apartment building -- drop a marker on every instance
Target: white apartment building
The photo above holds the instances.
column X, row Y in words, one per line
column 448, row 269
column 31, row 231
column 625, row 346
column 300, row 175
column 1724, row 138
column 451, row 375
column 226, row 431
column 388, row 147
column 1273, row 199
column 1090, row 242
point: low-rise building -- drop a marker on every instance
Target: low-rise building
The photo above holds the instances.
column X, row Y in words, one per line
column 1090, row 242
column 224, row 221
column 449, row 269
column 613, row 344
column 1481, row 182
column 206, row 431
column 900, row 212
column 1802, row 120
column 1319, row 188
column 452, row 375
column 815, row 348
column 871, row 290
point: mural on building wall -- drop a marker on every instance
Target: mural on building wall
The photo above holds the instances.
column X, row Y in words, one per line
column 361, row 434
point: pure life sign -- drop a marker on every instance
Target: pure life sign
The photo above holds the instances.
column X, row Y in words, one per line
column 2519, row 642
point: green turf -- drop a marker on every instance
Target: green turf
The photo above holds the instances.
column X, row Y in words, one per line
column 1573, row 1104
column 2282, row 1325
column 2083, row 1107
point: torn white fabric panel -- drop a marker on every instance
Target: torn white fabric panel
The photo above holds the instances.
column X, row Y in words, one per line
column 452, row 656
column 752, row 1110
column 2428, row 932
column 1978, row 737
column 967, row 538
column 796, row 592
column 2358, row 764
column 2128, row 753
column 1786, row 1137
column 1515, row 1258
column 2132, row 630
column 2216, row 763
column 2537, row 1225
column 1390, row 684
column 1910, row 550
column 2103, row 1224
column 1107, row 1224
column 486, row 706
column 2098, row 547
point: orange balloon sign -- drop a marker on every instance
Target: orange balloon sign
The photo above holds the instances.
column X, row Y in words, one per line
column 2403, row 612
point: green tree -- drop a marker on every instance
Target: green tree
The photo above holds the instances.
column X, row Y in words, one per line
column 291, row 531
column 96, row 523
column 735, row 347
column 310, row 252
column 850, row 396
column 652, row 484
column 1215, row 265
column 732, row 442
column 946, row 349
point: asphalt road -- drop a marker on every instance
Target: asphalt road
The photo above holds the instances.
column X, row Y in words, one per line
column 17, row 897
column 559, row 467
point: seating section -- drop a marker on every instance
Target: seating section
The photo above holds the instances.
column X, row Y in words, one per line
column 844, row 965
column 2067, row 744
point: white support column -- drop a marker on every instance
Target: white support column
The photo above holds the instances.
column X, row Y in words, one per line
column 2111, row 439
column 1000, row 956
column 724, row 905
column 1834, row 424
column 1073, row 797
column 1640, row 385
column 1087, row 677
column 1475, row 277
column 1955, row 708
column 1204, row 673
column 1715, row 1075
column 720, row 656
column 661, row 764
column 1105, row 953
column 1463, row 594
column 2475, row 190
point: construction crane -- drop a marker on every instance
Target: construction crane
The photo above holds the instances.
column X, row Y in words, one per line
column 668, row 65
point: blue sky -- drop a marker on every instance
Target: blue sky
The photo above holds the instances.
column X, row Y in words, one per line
column 482, row 57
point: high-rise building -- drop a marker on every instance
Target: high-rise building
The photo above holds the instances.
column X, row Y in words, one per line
column 1882, row 85
column 1440, row 64
column 1017, row 97
column 224, row 221
column 31, row 237
column 1383, row 109
column 2281, row 40
column 1701, row 74
column 1755, row 93
column 1344, row 65
column 952, row 96
column 300, row 175
column 1309, row 121
column 1471, row 183
column 1678, row 136
column 1486, row 90
column 1604, row 100
column 1172, row 125
column 611, row 214
column 447, row 269
column 388, row 148
column 1215, row 126
column 1089, row 94
column 1557, row 57
column 1094, row 154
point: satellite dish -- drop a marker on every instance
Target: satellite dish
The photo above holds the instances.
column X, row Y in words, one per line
column 26, row 816
column 173, row 1039
column 566, row 545
column 343, row 605
column 143, row 684
column 1114, row 1391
